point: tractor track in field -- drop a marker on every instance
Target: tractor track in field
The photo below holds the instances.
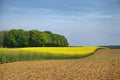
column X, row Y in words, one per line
column 103, row 65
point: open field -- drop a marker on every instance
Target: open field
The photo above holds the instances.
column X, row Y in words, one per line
column 43, row 53
column 103, row 65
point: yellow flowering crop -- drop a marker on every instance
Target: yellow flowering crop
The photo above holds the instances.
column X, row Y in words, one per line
column 62, row 50
column 38, row 53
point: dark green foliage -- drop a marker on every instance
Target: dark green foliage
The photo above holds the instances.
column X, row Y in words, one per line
column 16, row 38
column 33, row 38
column 2, row 34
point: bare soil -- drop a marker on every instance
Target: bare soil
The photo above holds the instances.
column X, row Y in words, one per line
column 103, row 65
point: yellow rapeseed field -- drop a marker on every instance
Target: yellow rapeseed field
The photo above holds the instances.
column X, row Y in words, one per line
column 57, row 50
column 38, row 53
column 62, row 50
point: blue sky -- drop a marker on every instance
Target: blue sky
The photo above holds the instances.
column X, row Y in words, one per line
column 83, row 22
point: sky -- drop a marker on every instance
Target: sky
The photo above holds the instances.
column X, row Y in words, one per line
column 82, row 22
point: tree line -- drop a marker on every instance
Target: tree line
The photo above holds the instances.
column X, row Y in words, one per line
column 2, row 34
column 32, row 38
column 112, row 46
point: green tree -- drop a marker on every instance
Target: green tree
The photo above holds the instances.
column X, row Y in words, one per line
column 47, row 40
column 35, row 39
column 10, row 40
column 64, row 42
column 2, row 34
column 22, row 38
column 16, row 38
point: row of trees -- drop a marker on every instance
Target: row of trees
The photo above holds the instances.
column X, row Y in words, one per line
column 33, row 38
column 2, row 34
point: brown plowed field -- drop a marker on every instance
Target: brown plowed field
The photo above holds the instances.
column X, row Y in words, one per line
column 103, row 65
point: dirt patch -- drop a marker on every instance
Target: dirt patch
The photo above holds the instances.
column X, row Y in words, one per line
column 95, row 67
column 106, row 54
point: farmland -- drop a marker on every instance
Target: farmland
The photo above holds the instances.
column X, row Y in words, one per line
column 103, row 65
column 43, row 53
